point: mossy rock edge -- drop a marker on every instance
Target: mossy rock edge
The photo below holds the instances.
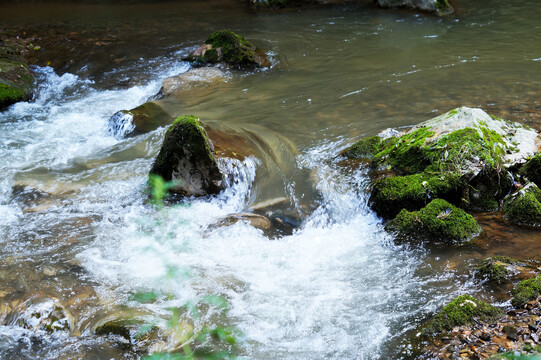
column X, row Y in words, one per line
column 494, row 269
column 439, row 220
column 142, row 119
column 225, row 46
column 462, row 156
column 525, row 291
column 524, row 206
column 463, row 310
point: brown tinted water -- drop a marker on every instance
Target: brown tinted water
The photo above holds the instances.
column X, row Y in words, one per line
column 76, row 226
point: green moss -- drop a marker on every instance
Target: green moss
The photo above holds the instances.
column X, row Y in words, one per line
column 10, row 94
column 455, row 151
column 463, row 310
column 439, row 220
column 524, row 206
column 412, row 192
column 442, row 5
column 364, row 148
column 532, row 169
column 407, row 154
column 525, row 291
column 451, row 113
column 186, row 152
column 494, row 269
column 486, row 189
column 235, row 49
column 211, row 56
column 16, row 80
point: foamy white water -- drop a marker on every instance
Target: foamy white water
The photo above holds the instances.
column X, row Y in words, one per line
column 337, row 287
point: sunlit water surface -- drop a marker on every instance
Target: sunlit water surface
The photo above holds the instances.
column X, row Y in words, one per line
column 77, row 227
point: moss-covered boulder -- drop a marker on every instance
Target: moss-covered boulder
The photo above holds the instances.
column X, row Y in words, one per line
column 411, row 192
column 523, row 207
column 525, row 291
column 462, row 156
column 16, row 80
column 439, row 220
column 186, row 158
column 463, row 310
column 227, row 47
column 439, row 7
column 140, row 120
column 496, row 269
column 532, row 169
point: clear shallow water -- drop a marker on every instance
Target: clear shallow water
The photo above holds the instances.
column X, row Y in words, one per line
column 77, row 228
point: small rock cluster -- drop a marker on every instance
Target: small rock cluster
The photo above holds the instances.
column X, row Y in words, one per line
column 518, row 330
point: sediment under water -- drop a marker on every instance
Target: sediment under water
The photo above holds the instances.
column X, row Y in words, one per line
column 77, row 228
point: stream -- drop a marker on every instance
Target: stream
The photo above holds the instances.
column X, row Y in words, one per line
column 80, row 236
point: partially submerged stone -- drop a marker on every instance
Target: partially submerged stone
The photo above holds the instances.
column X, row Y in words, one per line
column 16, row 80
column 186, row 158
column 525, row 291
column 439, row 220
column 142, row 119
column 227, row 47
column 523, row 207
column 439, row 7
column 44, row 314
column 411, row 192
column 462, row 156
column 114, row 327
column 195, row 80
column 532, row 169
column 258, row 221
column 462, row 310
column 363, row 149
column 501, row 269
column 495, row 269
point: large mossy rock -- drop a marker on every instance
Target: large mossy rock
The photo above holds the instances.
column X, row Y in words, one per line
column 463, row 310
column 439, row 7
column 461, row 156
column 16, row 80
column 439, row 220
column 524, row 206
column 186, row 158
column 227, row 47
column 525, row 291
column 532, row 169
column 140, row 120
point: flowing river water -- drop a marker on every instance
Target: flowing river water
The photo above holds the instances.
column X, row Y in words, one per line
column 78, row 231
